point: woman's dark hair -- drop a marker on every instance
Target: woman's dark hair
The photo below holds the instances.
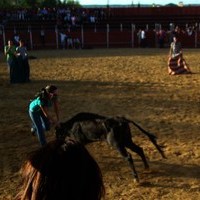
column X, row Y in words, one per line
column 43, row 93
column 50, row 88
column 61, row 170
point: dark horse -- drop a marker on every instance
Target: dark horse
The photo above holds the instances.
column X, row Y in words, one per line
column 90, row 127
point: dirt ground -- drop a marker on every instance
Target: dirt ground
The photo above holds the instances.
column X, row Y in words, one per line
column 129, row 82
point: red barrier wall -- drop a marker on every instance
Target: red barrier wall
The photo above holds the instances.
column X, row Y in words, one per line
column 99, row 38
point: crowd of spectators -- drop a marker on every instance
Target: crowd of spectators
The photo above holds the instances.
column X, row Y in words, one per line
column 64, row 15
column 69, row 19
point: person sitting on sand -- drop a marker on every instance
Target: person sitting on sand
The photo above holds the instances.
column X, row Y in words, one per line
column 176, row 62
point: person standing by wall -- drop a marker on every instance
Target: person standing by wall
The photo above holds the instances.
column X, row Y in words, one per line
column 39, row 112
column 141, row 38
column 161, row 38
column 42, row 36
column 13, row 67
column 16, row 39
column 63, row 39
column 22, row 57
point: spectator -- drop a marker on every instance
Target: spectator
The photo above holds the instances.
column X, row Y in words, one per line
column 42, row 36
column 63, row 38
column 92, row 19
column 69, row 42
column 143, row 38
column 161, row 38
column 16, row 39
column 171, row 31
column 22, row 57
column 139, row 37
column 61, row 170
column 176, row 33
column 190, row 30
column 77, row 43
column 13, row 67
column 73, row 21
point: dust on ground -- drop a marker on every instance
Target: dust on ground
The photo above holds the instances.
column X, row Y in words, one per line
column 129, row 82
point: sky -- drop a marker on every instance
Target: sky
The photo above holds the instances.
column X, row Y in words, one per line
column 129, row 2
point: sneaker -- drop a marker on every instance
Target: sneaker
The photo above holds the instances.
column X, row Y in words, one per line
column 33, row 131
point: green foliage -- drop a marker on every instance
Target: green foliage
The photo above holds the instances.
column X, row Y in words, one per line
column 47, row 3
column 18, row 4
column 5, row 4
column 72, row 3
column 37, row 3
column 31, row 3
column 69, row 3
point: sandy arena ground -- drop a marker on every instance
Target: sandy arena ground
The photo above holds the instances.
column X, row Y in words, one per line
column 130, row 82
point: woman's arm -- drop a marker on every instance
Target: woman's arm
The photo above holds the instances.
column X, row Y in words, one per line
column 6, row 50
column 46, row 113
column 10, row 50
column 56, row 109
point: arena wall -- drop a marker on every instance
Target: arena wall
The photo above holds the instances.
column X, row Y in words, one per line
column 118, row 29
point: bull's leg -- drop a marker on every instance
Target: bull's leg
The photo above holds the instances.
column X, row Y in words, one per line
column 128, row 158
column 135, row 148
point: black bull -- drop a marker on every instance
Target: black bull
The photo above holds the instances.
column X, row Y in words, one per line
column 90, row 127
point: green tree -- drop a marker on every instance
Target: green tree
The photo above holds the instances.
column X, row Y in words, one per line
column 31, row 3
column 37, row 3
column 48, row 3
column 72, row 3
column 5, row 4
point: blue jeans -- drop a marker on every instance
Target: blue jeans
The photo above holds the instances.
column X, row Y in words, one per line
column 40, row 124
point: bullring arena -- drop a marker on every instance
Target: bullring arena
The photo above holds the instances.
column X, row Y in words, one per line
column 130, row 82
column 133, row 82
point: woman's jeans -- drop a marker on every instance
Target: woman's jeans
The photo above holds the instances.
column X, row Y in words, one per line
column 40, row 124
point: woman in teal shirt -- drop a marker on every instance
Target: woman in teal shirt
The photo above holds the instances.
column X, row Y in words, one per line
column 38, row 112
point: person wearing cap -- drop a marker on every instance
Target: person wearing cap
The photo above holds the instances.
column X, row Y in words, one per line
column 39, row 112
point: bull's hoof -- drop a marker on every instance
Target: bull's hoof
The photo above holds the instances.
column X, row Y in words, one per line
column 33, row 131
column 145, row 184
column 136, row 179
column 146, row 167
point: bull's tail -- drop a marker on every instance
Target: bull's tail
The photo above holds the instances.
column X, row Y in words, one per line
column 151, row 137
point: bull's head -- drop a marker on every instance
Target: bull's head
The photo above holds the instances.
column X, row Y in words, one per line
column 61, row 131
column 113, row 122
